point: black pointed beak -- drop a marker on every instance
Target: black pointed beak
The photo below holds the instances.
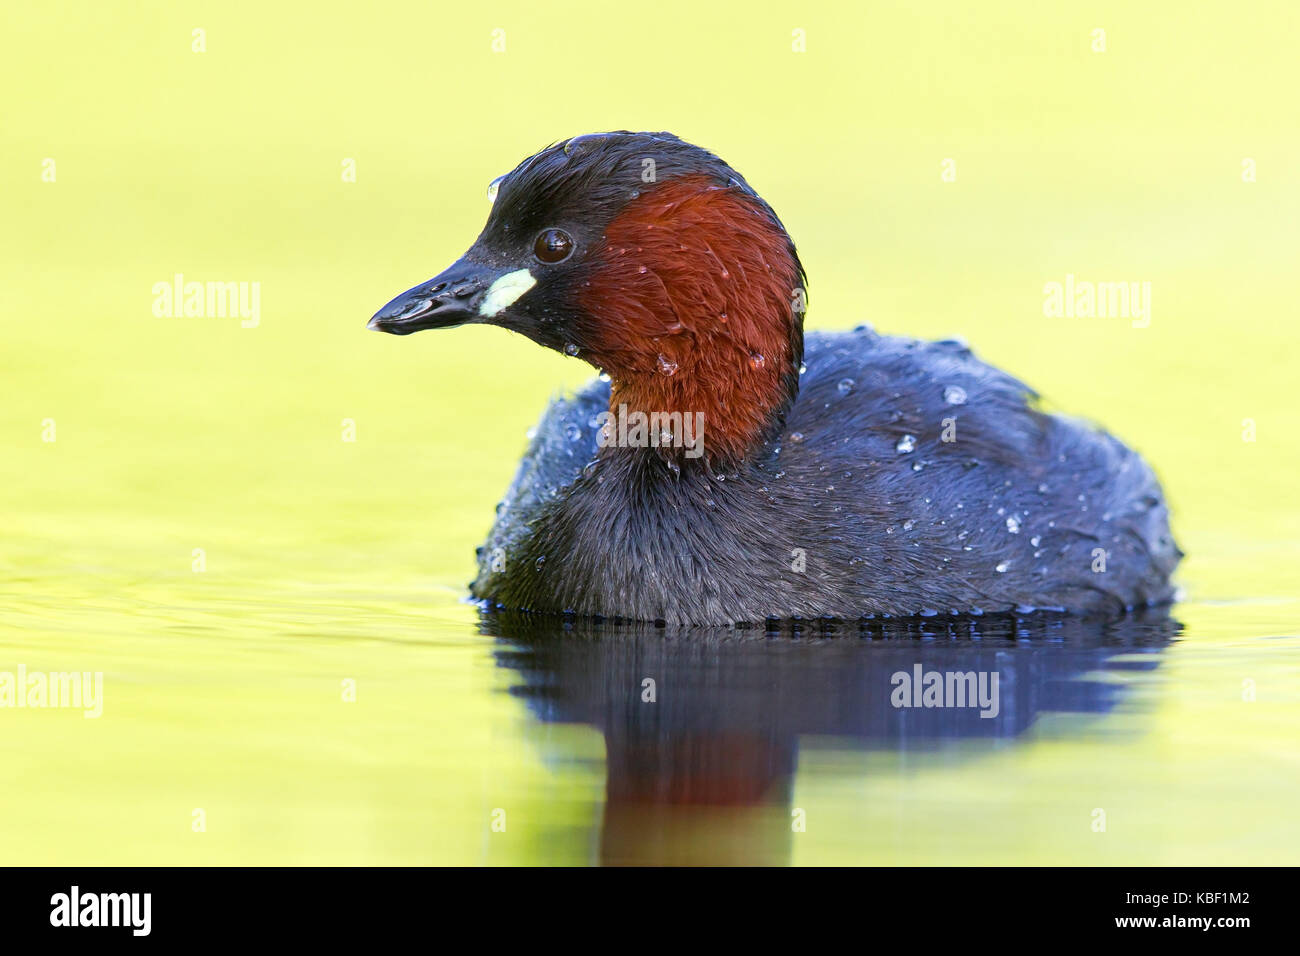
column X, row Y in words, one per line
column 451, row 298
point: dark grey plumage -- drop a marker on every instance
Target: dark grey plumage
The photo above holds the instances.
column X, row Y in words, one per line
column 837, row 517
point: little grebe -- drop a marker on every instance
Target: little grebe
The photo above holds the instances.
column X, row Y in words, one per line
column 726, row 469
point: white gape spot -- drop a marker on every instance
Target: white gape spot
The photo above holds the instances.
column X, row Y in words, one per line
column 506, row 291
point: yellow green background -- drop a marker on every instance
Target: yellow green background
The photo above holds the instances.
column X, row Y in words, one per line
column 328, row 560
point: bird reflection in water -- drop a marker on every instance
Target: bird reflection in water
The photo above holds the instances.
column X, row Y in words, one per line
column 702, row 727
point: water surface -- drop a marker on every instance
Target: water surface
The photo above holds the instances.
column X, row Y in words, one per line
column 241, row 527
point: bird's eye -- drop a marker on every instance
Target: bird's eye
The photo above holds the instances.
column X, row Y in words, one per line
column 552, row 246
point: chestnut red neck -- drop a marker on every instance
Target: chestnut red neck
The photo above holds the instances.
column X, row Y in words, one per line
column 694, row 305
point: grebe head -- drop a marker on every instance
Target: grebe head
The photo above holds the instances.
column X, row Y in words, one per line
column 649, row 258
